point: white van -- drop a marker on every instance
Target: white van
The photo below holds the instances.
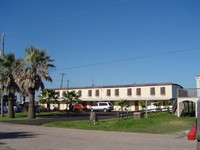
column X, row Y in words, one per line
column 102, row 106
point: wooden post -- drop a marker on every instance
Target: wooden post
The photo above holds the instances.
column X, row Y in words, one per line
column 93, row 117
column 146, row 105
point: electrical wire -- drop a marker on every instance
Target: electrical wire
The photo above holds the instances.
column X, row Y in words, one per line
column 130, row 58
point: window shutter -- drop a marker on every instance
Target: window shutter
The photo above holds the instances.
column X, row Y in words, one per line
column 129, row 91
column 89, row 92
column 138, row 91
column 162, row 90
column 79, row 93
column 97, row 92
column 116, row 92
column 152, row 91
column 108, row 92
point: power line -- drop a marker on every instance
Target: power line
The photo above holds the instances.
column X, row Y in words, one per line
column 130, row 58
column 58, row 19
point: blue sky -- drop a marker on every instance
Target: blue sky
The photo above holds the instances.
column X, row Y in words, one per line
column 108, row 42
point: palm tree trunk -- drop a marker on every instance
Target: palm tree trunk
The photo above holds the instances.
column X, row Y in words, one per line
column 58, row 105
column 48, row 106
column 11, row 113
column 31, row 107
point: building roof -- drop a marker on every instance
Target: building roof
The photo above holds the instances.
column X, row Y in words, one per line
column 120, row 86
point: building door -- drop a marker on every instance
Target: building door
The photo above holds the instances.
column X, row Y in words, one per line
column 136, row 106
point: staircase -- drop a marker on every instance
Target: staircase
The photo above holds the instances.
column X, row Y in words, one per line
column 174, row 107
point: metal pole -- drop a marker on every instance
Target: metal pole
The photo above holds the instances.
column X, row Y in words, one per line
column 1, row 94
column 2, row 41
column 146, row 104
column 62, row 74
column 1, row 97
column 67, row 85
column 198, row 125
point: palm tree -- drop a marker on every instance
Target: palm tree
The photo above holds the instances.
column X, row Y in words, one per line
column 168, row 104
column 142, row 104
column 8, row 65
column 48, row 96
column 121, row 103
column 157, row 104
column 36, row 69
column 70, row 97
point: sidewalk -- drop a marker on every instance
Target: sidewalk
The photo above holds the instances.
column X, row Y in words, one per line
column 27, row 137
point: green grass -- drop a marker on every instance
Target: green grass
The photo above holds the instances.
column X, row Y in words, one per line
column 157, row 123
column 18, row 116
column 24, row 115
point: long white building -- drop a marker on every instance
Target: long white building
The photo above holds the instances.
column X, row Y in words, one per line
column 133, row 93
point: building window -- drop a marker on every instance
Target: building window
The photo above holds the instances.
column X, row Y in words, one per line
column 108, row 92
column 89, row 92
column 58, row 93
column 97, row 92
column 152, row 91
column 162, row 90
column 116, row 92
column 79, row 93
column 129, row 91
column 138, row 91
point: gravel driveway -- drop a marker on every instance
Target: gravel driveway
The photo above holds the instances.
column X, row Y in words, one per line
column 29, row 137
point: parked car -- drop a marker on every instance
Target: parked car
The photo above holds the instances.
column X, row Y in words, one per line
column 16, row 107
column 102, row 106
column 153, row 108
column 5, row 108
column 79, row 106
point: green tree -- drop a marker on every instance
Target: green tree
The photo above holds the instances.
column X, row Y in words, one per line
column 8, row 65
column 157, row 104
column 18, row 72
column 36, row 69
column 142, row 104
column 121, row 103
column 48, row 96
column 168, row 104
column 69, row 97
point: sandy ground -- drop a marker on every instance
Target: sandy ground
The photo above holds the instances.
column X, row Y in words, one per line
column 28, row 137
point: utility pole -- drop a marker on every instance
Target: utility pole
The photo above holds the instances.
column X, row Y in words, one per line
column 67, row 85
column 62, row 74
column 1, row 94
column 2, row 41
column 2, row 44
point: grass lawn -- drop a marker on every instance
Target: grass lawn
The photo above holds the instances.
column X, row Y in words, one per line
column 157, row 123
column 24, row 115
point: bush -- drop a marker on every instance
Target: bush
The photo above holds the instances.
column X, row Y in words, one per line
column 41, row 109
column 55, row 109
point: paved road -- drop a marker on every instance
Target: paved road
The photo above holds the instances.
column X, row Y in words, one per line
column 29, row 137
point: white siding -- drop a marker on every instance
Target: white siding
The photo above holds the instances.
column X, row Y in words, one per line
column 170, row 93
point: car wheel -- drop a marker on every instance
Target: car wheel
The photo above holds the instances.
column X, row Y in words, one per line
column 104, row 110
column 92, row 109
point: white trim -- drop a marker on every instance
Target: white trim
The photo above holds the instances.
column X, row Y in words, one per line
column 182, row 99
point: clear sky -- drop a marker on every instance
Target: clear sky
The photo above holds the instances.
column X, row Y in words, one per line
column 108, row 42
